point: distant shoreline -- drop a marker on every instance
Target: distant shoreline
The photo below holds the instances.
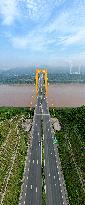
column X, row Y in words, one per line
column 32, row 84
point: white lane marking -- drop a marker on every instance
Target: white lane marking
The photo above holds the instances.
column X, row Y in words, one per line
column 33, row 161
column 61, row 190
column 62, row 197
column 49, row 174
column 54, row 177
column 38, row 133
column 55, row 184
column 29, row 161
column 43, row 136
column 26, row 185
column 24, row 202
column 45, row 189
column 27, row 177
column 25, row 193
column 41, row 152
column 36, row 189
column 51, row 153
column 44, row 162
column 37, row 161
column 60, row 184
column 39, row 144
column 59, row 179
column 57, row 166
column 28, row 169
column 63, row 202
column 31, row 186
column 58, row 172
column 56, row 161
column 48, row 129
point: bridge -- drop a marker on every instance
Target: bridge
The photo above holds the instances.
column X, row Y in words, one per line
column 42, row 160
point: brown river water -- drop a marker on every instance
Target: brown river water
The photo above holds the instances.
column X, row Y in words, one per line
column 59, row 95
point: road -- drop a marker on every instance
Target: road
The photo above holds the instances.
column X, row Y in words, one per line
column 32, row 185
column 54, row 195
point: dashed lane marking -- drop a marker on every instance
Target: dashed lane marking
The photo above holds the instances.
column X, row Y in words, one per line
column 36, row 189
column 45, row 189
column 44, row 162
column 37, row 162
column 33, row 161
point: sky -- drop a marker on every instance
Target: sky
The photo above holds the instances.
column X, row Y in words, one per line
column 42, row 33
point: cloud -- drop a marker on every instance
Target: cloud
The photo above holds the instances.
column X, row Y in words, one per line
column 59, row 23
column 20, row 42
column 41, row 9
column 29, row 41
column 9, row 11
column 33, row 9
column 76, row 38
column 55, row 27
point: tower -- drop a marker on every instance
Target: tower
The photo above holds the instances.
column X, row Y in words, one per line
column 45, row 72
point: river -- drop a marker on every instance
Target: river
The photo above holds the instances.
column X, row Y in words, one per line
column 59, row 95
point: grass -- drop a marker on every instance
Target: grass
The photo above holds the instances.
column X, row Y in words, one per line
column 14, row 141
column 71, row 150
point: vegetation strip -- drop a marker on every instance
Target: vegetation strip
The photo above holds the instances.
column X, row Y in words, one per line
column 71, row 143
column 13, row 152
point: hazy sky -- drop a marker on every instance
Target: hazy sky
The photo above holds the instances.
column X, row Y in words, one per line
column 42, row 32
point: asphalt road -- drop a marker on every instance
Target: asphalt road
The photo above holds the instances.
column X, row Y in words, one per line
column 32, row 185
column 54, row 195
